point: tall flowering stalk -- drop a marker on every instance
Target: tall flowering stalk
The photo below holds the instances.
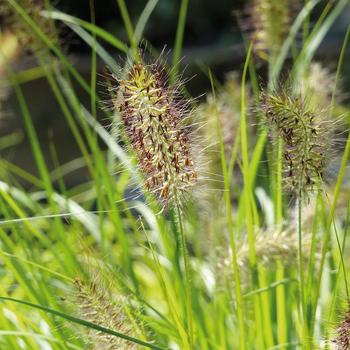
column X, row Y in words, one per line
column 154, row 117
column 305, row 135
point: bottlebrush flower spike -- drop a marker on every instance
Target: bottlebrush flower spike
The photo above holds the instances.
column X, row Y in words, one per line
column 97, row 304
column 154, row 115
column 269, row 22
column 342, row 337
column 16, row 25
column 271, row 246
column 306, row 137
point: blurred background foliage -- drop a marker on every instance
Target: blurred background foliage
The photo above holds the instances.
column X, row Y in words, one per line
column 213, row 37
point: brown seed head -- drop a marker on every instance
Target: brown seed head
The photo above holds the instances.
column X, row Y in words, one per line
column 15, row 24
column 153, row 118
column 342, row 338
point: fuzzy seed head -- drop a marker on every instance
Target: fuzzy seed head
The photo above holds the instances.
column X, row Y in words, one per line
column 342, row 338
column 317, row 85
column 271, row 246
column 306, row 137
column 16, row 25
column 269, row 23
column 98, row 305
column 153, row 118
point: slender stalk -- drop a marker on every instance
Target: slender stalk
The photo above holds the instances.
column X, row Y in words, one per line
column 340, row 64
column 128, row 26
column 249, row 206
column 279, row 192
column 179, row 38
column 301, row 271
column 227, row 187
column 187, row 270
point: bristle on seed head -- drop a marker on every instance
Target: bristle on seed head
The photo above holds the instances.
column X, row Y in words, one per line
column 341, row 339
column 16, row 25
column 153, row 117
column 97, row 304
column 306, row 137
column 268, row 23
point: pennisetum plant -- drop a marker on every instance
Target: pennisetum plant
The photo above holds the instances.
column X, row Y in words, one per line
column 305, row 135
column 271, row 246
column 341, row 339
column 97, row 304
column 227, row 105
column 268, row 23
column 154, row 119
column 15, row 25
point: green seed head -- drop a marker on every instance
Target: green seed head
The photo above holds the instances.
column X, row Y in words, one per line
column 306, row 138
column 269, row 22
column 97, row 304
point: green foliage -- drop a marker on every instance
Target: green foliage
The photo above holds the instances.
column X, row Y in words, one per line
column 86, row 267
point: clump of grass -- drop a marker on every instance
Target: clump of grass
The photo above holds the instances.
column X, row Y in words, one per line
column 97, row 304
column 154, row 118
column 306, row 137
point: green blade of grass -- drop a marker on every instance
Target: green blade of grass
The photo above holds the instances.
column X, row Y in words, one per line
column 179, row 38
column 83, row 323
column 278, row 64
column 143, row 19
column 239, row 299
column 99, row 32
column 128, row 25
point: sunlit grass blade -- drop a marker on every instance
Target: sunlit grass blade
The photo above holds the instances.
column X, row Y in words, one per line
column 83, row 323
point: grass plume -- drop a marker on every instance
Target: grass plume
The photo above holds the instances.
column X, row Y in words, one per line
column 269, row 22
column 306, row 138
column 271, row 246
column 97, row 304
column 154, row 119
column 15, row 25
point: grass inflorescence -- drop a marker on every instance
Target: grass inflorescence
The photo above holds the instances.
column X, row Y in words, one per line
column 96, row 303
column 269, row 22
column 154, row 119
column 247, row 268
column 306, row 136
